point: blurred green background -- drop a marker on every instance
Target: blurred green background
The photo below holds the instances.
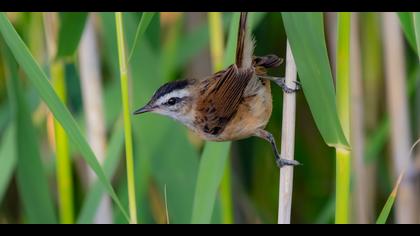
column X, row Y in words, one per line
column 166, row 155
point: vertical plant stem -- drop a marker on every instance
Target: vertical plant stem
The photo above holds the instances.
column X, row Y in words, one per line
column 343, row 163
column 371, row 54
column 287, row 141
column 216, row 40
column 361, row 176
column 397, row 103
column 216, row 50
column 331, row 36
column 63, row 163
column 127, row 120
column 91, row 86
column 64, row 175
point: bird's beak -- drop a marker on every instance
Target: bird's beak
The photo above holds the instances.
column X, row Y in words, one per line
column 144, row 109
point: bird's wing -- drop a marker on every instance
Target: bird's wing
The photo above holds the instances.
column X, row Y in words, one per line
column 220, row 99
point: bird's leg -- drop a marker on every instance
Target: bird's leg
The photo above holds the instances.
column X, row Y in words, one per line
column 269, row 137
column 280, row 81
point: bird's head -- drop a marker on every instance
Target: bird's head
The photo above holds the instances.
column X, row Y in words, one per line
column 174, row 99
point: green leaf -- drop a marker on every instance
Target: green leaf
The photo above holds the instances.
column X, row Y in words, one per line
column 145, row 20
column 40, row 81
column 305, row 32
column 386, row 210
column 70, row 32
column 31, row 180
column 7, row 159
column 210, row 173
column 4, row 116
column 416, row 21
column 406, row 20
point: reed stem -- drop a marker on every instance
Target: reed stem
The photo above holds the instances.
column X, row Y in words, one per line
column 127, row 120
column 91, row 86
column 361, row 193
column 343, row 160
column 287, row 141
column 64, row 175
column 395, row 79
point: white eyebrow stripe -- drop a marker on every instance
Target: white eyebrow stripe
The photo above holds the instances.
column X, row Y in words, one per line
column 177, row 93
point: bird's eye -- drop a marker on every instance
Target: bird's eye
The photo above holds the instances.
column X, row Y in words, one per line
column 172, row 101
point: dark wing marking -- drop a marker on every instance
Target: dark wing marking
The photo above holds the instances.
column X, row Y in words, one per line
column 220, row 101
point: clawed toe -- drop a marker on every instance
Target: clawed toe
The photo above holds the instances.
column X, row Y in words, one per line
column 287, row 89
column 298, row 85
column 284, row 162
column 291, row 90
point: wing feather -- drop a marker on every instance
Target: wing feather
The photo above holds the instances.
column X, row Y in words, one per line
column 220, row 101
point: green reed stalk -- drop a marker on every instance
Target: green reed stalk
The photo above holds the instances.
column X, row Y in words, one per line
column 127, row 120
column 64, row 175
column 343, row 161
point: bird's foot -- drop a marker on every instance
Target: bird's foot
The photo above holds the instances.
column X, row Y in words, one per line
column 285, row 162
column 281, row 82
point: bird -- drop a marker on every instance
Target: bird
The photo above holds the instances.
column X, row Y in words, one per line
column 232, row 104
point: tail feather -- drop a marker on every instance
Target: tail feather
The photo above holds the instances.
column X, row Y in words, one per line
column 245, row 45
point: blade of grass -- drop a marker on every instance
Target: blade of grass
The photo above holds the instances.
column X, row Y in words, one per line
column 214, row 157
column 210, row 173
column 7, row 158
column 145, row 20
column 386, row 210
column 31, row 179
column 127, row 119
column 40, row 81
column 70, row 32
column 305, row 32
column 343, row 156
column 4, row 117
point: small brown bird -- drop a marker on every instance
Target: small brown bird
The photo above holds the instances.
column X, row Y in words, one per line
column 231, row 104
